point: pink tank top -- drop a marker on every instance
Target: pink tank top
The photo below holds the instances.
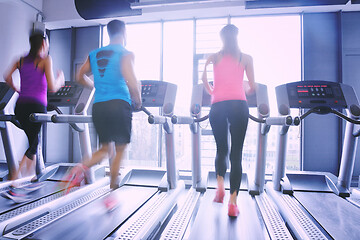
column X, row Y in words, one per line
column 228, row 80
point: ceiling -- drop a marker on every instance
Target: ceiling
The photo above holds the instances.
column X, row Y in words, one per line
column 66, row 14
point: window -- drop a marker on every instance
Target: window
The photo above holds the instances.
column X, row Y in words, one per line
column 274, row 42
column 166, row 51
column 269, row 40
column 178, row 69
column 144, row 147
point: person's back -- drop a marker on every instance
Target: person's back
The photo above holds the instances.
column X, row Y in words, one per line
column 115, row 88
column 108, row 79
column 36, row 76
column 228, row 80
column 229, row 111
column 33, row 84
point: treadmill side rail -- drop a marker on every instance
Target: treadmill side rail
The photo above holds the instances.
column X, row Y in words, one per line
column 147, row 221
column 299, row 221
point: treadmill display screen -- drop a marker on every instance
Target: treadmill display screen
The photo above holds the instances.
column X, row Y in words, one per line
column 67, row 95
column 322, row 91
column 66, row 91
column 309, row 94
column 149, row 90
column 157, row 93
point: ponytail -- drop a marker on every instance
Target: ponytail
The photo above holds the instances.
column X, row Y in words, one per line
column 36, row 40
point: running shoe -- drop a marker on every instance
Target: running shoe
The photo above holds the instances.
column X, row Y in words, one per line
column 233, row 210
column 15, row 194
column 33, row 186
column 219, row 196
column 111, row 202
column 75, row 176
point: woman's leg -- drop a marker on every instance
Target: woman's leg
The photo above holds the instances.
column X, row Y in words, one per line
column 238, row 120
column 219, row 125
column 32, row 130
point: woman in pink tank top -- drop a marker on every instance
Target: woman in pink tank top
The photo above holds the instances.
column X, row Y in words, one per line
column 229, row 111
column 36, row 76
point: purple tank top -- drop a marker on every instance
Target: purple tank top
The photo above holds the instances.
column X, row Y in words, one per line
column 33, row 84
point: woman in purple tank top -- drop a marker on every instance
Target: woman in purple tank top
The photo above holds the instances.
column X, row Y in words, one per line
column 229, row 111
column 36, row 77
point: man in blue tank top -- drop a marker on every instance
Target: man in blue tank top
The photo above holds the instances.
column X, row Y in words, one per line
column 116, row 89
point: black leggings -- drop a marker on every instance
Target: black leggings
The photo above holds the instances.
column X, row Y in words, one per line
column 31, row 129
column 233, row 115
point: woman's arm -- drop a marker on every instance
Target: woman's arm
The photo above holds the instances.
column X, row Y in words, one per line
column 249, row 68
column 204, row 79
column 8, row 76
column 81, row 76
column 54, row 84
column 127, row 69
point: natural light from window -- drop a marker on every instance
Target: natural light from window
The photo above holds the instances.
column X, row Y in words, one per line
column 166, row 51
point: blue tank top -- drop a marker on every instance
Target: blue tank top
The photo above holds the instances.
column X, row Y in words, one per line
column 108, row 79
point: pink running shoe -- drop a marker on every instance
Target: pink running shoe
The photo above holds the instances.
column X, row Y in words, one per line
column 219, row 197
column 75, row 177
column 111, row 202
column 233, row 210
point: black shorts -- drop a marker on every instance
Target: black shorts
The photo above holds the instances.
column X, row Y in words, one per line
column 112, row 120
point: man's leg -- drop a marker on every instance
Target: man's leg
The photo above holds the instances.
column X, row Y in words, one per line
column 115, row 165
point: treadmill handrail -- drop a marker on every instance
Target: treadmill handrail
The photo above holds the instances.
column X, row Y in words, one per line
column 326, row 110
column 65, row 118
column 157, row 119
column 187, row 120
column 10, row 118
column 45, row 117
column 40, row 117
column 282, row 120
column 152, row 119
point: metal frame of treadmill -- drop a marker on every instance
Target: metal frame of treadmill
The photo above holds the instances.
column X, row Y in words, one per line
column 301, row 220
column 179, row 224
column 158, row 206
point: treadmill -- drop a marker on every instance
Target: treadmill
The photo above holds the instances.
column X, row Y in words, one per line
column 39, row 200
column 6, row 169
column 198, row 217
column 313, row 203
column 146, row 197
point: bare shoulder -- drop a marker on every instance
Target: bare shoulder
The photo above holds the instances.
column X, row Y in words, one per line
column 214, row 57
column 129, row 55
column 47, row 59
column 247, row 58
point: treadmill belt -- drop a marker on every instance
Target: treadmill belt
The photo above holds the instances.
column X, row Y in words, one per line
column 48, row 188
column 93, row 221
column 337, row 216
column 213, row 223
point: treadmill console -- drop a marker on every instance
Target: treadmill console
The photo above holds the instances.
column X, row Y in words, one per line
column 71, row 95
column 158, row 94
column 309, row 94
column 67, row 95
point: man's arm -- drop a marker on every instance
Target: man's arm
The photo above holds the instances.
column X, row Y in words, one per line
column 127, row 67
column 81, row 76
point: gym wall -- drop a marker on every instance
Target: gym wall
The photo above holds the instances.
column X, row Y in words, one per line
column 16, row 24
column 68, row 48
column 350, row 23
column 331, row 52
